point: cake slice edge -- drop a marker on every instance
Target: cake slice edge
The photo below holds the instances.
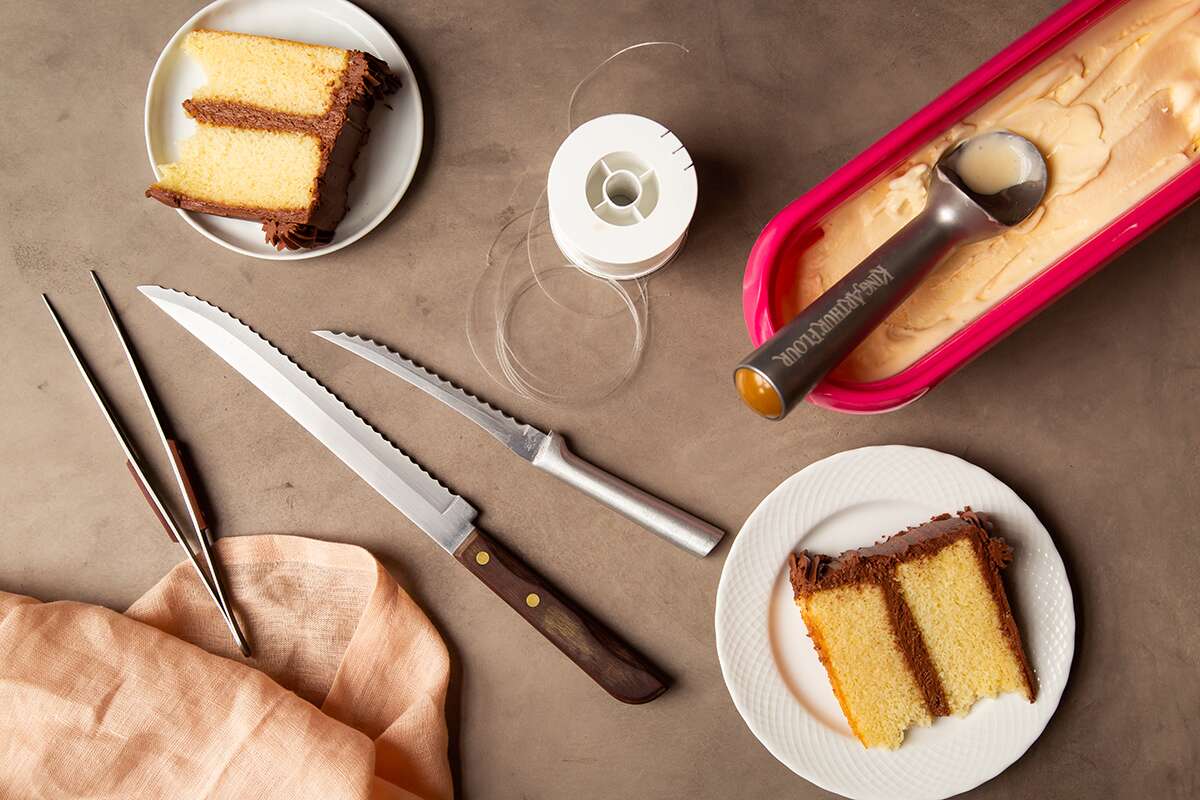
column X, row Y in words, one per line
column 341, row 132
column 879, row 564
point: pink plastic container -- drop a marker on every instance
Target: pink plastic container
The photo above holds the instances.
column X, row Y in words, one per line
column 770, row 271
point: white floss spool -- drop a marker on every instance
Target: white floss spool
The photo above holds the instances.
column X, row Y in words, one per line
column 620, row 196
column 550, row 312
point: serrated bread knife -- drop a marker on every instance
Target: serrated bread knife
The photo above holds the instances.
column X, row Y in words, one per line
column 447, row 518
column 546, row 451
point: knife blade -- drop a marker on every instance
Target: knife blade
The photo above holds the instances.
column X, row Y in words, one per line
column 444, row 516
column 546, row 451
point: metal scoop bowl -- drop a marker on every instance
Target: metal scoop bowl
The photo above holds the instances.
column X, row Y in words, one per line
column 785, row 368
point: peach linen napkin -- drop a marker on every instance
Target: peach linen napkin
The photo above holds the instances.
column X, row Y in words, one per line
column 344, row 697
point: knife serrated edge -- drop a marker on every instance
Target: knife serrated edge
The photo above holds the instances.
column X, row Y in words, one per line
column 451, row 499
column 528, row 438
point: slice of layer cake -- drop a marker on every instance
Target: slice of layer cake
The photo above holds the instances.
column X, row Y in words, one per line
column 915, row 627
column 279, row 125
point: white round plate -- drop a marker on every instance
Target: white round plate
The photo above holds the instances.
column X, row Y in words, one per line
column 780, row 688
column 387, row 162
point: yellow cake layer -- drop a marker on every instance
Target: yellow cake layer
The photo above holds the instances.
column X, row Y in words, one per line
column 960, row 622
column 274, row 74
column 850, row 625
column 246, row 167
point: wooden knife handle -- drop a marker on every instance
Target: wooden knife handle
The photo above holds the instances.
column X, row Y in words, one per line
column 189, row 488
column 610, row 662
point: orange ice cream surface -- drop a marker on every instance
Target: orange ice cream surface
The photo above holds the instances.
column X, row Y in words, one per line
column 1116, row 113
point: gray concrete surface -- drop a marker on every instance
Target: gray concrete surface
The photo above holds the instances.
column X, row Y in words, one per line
column 1090, row 411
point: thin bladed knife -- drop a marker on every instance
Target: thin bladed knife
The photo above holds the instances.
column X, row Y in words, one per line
column 447, row 518
column 546, row 451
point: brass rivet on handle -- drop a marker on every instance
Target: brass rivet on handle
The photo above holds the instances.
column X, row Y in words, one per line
column 482, row 557
column 532, row 600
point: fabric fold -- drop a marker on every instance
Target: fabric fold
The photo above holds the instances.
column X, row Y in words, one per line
column 344, row 696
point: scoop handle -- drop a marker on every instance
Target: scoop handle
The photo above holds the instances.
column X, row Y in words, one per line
column 786, row 367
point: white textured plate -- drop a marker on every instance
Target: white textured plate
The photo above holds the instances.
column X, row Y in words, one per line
column 387, row 162
column 780, row 688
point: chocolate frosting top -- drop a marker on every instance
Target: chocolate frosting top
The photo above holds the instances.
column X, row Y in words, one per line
column 811, row 572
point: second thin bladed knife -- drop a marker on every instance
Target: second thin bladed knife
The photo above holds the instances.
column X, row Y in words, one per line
column 444, row 516
column 546, row 451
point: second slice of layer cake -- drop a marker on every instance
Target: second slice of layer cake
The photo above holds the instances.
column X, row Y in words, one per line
column 915, row 627
column 279, row 125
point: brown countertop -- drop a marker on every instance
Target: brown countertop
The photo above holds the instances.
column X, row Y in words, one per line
column 1089, row 411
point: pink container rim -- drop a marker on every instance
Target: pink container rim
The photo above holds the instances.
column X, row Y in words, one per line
column 804, row 213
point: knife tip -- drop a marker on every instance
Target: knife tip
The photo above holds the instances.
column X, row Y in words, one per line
column 151, row 291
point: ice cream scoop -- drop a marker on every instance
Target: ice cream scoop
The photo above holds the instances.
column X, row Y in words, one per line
column 978, row 188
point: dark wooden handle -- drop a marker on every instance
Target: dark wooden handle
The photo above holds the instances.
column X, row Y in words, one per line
column 149, row 500
column 610, row 662
column 189, row 490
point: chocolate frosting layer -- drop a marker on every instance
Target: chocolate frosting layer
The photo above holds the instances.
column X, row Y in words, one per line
column 912, row 644
column 824, row 572
column 176, row 200
column 342, row 132
column 876, row 564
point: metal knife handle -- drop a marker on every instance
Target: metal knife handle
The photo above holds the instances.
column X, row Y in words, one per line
column 599, row 652
column 658, row 516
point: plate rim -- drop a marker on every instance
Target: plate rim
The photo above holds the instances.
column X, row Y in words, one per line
column 304, row 253
column 722, row 635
